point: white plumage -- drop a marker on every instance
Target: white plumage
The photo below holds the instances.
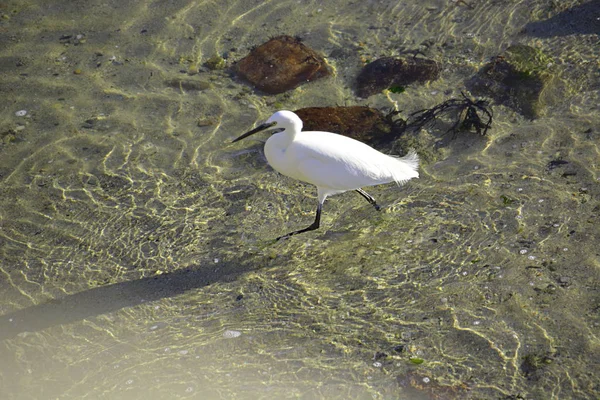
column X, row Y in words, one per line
column 332, row 162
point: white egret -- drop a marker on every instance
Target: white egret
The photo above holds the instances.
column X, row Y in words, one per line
column 332, row 162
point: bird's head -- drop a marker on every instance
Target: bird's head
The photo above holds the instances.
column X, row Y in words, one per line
column 278, row 122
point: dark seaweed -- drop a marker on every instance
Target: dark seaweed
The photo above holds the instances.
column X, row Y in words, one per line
column 469, row 115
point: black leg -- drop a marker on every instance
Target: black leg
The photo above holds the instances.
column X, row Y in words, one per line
column 315, row 225
column 369, row 198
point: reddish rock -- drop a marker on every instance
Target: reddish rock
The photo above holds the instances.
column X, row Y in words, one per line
column 281, row 64
column 388, row 72
column 365, row 124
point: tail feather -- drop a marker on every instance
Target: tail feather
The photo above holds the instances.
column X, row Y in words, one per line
column 405, row 168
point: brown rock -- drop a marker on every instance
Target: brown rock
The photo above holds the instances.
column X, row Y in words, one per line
column 365, row 124
column 388, row 72
column 281, row 64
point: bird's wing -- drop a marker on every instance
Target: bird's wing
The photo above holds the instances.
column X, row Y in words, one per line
column 337, row 162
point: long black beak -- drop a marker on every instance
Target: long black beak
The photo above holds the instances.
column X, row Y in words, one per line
column 259, row 128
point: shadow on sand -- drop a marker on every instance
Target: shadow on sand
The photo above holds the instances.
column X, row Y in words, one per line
column 105, row 299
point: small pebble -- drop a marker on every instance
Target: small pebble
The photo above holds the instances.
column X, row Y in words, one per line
column 231, row 334
column 21, row 113
column 399, row 348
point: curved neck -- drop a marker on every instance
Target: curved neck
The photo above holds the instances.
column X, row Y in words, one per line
column 282, row 140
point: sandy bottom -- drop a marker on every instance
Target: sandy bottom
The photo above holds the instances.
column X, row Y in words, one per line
column 136, row 251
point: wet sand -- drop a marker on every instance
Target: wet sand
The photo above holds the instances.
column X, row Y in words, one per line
column 136, row 246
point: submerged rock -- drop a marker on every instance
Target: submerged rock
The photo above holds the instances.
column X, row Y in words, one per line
column 365, row 124
column 390, row 73
column 533, row 365
column 281, row 64
column 516, row 79
column 188, row 84
column 215, row 62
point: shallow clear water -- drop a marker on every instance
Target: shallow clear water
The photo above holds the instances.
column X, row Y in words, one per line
column 136, row 246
